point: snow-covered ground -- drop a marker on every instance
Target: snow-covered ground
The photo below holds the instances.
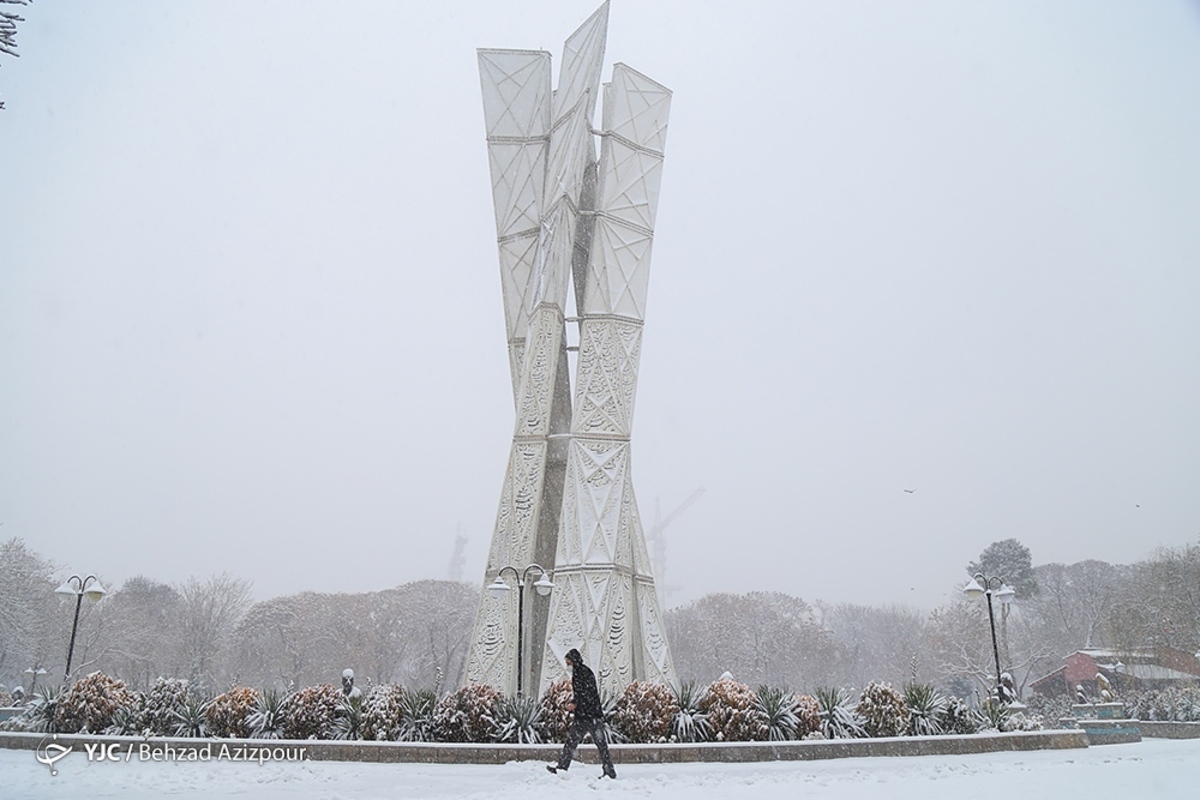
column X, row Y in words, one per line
column 1155, row 768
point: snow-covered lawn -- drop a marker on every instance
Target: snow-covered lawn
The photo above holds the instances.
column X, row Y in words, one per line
column 1156, row 768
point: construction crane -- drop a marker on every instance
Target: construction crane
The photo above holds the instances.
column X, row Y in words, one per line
column 657, row 542
column 455, row 570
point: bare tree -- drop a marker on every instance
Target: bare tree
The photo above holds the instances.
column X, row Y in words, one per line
column 28, row 624
column 143, row 632
column 415, row 634
column 210, row 612
column 761, row 638
column 879, row 644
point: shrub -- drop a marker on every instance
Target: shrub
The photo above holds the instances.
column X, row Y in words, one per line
column 267, row 719
column 229, row 714
column 958, row 718
column 349, row 721
column 729, row 706
column 1021, row 721
column 89, row 705
column 992, row 716
column 556, row 714
column 191, row 719
column 839, row 719
column 467, row 715
column 926, row 705
column 382, row 713
column 808, row 716
column 518, row 720
column 38, row 716
column 129, row 720
column 883, row 710
column 778, row 710
column 417, row 716
column 645, row 712
column 312, row 712
column 163, row 702
column 691, row 723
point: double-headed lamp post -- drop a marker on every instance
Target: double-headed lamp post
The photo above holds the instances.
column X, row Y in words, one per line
column 78, row 588
column 34, row 672
column 982, row 586
column 499, row 586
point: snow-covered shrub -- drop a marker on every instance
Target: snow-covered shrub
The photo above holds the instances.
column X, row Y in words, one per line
column 1052, row 708
column 312, row 712
column 925, row 708
column 38, row 716
column 729, row 706
column 612, row 733
column 778, row 710
column 164, row 701
column 382, row 712
column 191, row 719
column 958, row 718
column 992, row 716
column 808, row 717
column 89, row 705
column 1021, row 721
column 229, row 714
column 6, row 699
column 882, row 710
column 267, row 719
column 556, row 712
column 349, row 721
column 1177, row 704
column 839, row 718
column 467, row 715
column 519, row 720
column 645, row 711
column 417, row 716
column 690, row 724
column 129, row 720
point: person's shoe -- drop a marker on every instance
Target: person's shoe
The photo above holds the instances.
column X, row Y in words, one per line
column 553, row 770
column 610, row 772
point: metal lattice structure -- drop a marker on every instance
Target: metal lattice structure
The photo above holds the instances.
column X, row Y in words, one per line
column 567, row 217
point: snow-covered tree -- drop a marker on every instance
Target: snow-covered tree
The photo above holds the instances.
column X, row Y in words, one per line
column 762, row 638
column 210, row 612
column 28, row 624
column 878, row 643
column 1010, row 560
column 1076, row 601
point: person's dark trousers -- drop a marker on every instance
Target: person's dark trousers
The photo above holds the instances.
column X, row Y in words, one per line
column 579, row 728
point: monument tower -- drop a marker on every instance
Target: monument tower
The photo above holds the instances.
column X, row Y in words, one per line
column 567, row 217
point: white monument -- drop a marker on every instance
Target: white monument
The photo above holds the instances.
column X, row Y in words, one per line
column 567, row 217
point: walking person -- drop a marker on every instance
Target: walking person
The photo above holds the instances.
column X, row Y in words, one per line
column 589, row 716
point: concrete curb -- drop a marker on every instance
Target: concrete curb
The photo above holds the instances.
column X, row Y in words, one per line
column 420, row 752
column 1170, row 730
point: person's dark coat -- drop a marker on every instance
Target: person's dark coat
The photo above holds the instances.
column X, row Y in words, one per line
column 587, row 696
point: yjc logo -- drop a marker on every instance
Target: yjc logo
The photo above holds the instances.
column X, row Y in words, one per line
column 99, row 751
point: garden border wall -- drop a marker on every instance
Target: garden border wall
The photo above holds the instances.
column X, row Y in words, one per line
column 431, row 753
column 1170, row 730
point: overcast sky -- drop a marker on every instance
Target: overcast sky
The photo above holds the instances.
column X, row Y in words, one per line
column 250, row 312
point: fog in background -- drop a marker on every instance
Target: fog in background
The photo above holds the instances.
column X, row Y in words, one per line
column 250, row 313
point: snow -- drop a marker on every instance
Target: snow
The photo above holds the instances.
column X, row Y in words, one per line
column 1163, row 769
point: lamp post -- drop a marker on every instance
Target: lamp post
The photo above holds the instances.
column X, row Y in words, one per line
column 982, row 586
column 78, row 588
column 35, row 671
column 499, row 586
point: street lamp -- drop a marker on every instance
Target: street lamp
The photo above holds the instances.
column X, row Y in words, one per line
column 35, row 672
column 499, row 586
column 981, row 586
column 78, row 588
